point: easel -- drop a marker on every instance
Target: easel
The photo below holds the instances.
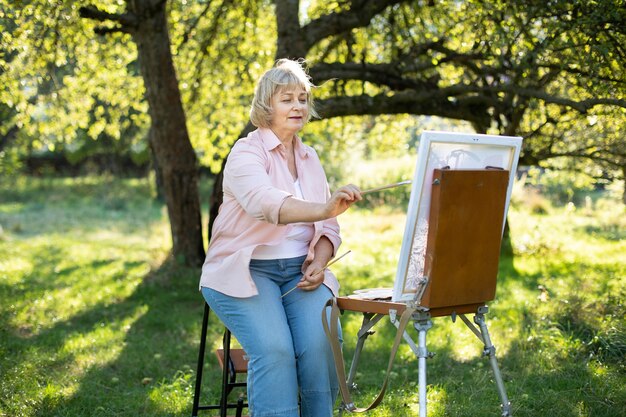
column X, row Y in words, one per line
column 461, row 264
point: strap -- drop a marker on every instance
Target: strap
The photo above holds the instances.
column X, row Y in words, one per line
column 332, row 334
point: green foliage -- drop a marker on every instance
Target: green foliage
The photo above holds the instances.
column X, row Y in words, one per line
column 561, row 186
column 71, row 91
column 95, row 319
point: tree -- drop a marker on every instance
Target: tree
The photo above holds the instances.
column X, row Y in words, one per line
column 547, row 71
column 146, row 22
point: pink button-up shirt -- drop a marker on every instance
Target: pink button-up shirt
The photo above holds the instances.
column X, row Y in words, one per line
column 256, row 183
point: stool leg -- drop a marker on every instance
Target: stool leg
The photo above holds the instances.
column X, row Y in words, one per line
column 239, row 407
column 225, row 374
column 196, row 395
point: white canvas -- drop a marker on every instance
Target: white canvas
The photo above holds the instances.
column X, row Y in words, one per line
column 439, row 150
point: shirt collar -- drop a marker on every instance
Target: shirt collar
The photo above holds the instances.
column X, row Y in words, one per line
column 271, row 142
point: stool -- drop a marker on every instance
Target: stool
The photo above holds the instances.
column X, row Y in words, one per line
column 237, row 364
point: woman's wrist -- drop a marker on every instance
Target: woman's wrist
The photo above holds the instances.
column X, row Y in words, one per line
column 323, row 251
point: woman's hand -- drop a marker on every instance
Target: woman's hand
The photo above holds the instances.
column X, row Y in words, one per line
column 313, row 277
column 295, row 210
column 342, row 199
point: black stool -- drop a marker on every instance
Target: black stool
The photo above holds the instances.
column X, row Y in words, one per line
column 236, row 364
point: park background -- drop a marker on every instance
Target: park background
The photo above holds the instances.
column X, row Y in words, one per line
column 116, row 117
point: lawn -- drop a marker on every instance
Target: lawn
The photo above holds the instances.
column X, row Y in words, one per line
column 97, row 320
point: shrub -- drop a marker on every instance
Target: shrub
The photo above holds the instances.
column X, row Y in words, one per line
column 561, row 186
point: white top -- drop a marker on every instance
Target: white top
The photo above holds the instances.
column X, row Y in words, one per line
column 295, row 244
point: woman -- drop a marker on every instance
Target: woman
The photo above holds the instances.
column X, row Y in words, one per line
column 276, row 230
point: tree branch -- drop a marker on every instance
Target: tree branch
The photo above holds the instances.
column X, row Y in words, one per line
column 594, row 156
column 360, row 14
column 194, row 25
column 399, row 74
column 580, row 72
column 582, row 106
column 127, row 21
column 104, row 30
column 381, row 74
column 433, row 103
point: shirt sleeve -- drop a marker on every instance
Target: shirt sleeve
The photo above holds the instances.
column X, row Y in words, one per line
column 246, row 178
column 330, row 229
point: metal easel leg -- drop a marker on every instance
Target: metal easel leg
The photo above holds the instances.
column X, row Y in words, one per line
column 369, row 320
column 490, row 351
column 422, row 325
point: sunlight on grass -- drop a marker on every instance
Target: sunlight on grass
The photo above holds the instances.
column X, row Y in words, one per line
column 172, row 396
column 436, row 399
column 13, row 266
column 101, row 345
column 98, row 278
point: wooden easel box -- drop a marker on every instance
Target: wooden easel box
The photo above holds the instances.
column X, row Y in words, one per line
column 463, row 245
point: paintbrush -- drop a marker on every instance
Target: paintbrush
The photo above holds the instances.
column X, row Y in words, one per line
column 384, row 187
column 325, row 266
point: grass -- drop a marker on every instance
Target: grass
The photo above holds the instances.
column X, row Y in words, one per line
column 96, row 320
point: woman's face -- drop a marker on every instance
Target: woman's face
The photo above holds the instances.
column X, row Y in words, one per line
column 290, row 110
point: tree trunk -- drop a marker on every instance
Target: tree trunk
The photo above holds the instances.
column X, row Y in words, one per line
column 9, row 136
column 506, row 248
column 158, row 174
column 172, row 147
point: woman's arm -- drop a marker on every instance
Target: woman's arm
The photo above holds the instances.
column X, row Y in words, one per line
column 294, row 210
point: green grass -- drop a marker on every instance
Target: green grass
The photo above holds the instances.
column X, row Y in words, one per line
column 96, row 320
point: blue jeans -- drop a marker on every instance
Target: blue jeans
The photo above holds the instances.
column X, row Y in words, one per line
column 289, row 355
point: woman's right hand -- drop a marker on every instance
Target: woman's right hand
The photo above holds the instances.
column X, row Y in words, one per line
column 342, row 199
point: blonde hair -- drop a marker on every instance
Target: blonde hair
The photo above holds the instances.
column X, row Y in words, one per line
column 286, row 74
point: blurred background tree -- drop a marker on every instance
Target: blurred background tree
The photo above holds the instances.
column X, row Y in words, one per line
column 551, row 72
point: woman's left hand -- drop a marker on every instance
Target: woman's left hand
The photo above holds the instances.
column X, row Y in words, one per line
column 313, row 277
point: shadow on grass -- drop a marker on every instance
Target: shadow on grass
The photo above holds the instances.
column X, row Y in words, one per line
column 153, row 370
